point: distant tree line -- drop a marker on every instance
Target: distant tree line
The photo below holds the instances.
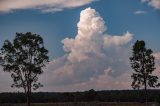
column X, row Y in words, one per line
column 86, row 96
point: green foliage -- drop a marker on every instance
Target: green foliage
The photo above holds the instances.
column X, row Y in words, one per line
column 142, row 62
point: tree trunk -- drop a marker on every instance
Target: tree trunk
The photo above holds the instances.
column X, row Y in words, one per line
column 29, row 89
column 28, row 96
column 145, row 78
column 146, row 93
column 30, row 92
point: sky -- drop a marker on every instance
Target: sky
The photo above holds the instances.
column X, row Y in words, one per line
column 89, row 41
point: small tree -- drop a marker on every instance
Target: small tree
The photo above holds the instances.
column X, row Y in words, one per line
column 24, row 59
column 142, row 63
column 90, row 95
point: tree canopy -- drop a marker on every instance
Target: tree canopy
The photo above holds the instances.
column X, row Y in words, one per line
column 24, row 58
column 143, row 65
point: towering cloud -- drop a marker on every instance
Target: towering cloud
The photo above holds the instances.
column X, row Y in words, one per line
column 91, row 39
column 88, row 39
column 93, row 58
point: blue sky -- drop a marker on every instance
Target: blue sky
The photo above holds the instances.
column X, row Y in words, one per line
column 118, row 15
column 54, row 23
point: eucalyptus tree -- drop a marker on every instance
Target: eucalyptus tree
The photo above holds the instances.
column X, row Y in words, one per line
column 24, row 58
column 143, row 65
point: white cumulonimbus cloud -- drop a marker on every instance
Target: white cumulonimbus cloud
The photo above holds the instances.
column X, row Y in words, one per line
column 93, row 58
column 153, row 3
column 44, row 5
column 91, row 37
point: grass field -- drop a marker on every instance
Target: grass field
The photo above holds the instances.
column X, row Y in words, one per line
column 85, row 104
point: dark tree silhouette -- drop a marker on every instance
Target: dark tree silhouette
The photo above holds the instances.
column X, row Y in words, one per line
column 23, row 59
column 142, row 63
column 90, row 95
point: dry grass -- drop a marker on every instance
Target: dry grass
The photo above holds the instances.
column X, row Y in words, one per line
column 85, row 104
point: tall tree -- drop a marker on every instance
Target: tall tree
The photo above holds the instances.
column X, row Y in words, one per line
column 142, row 63
column 24, row 59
